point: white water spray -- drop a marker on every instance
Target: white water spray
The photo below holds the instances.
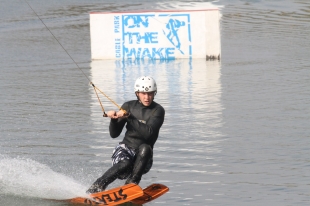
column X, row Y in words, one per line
column 28, row 178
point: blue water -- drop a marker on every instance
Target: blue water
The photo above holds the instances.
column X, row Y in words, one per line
column 236, row 131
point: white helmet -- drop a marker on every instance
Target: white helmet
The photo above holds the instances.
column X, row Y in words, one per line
column 145, row 84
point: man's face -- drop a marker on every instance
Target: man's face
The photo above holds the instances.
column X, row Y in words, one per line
column 146, row 98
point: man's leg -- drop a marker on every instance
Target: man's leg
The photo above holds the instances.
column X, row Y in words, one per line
column 110, row 175
column 143, row 156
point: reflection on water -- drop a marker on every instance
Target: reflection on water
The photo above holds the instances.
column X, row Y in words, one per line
column 186, row 82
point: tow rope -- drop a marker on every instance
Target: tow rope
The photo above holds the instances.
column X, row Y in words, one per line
column 104, row 114
column 91, row 83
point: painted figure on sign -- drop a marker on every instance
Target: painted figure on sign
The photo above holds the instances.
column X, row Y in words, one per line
column 173, row 26
column 143, row 118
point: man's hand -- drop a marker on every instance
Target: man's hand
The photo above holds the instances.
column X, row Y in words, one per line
column 116, row 115
column 112, row 114
column 122, row 114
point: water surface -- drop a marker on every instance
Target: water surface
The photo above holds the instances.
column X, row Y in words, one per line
column 236, row 131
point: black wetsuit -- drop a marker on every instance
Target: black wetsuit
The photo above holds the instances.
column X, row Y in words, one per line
column 143, row 124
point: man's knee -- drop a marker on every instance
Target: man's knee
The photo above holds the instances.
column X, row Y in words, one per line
column 145, row 150
column 125, row 164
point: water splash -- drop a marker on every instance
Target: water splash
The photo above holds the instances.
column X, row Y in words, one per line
column 28, row 178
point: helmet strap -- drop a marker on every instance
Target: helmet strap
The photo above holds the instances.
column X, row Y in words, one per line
column 137, row 96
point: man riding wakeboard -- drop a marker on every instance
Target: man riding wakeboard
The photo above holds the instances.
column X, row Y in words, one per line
column 143, row 118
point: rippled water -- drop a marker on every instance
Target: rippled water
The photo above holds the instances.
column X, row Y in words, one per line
column 236, row 131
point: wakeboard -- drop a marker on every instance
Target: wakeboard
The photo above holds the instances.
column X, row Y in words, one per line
column 113, row 196
column 126, row 193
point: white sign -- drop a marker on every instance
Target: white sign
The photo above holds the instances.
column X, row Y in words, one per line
column 155, row 35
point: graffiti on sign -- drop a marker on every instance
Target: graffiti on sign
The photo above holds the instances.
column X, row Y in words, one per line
column 152, row 36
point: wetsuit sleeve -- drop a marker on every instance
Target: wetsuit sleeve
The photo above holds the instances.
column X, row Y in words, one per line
column 151, row 127
column 117, row 125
